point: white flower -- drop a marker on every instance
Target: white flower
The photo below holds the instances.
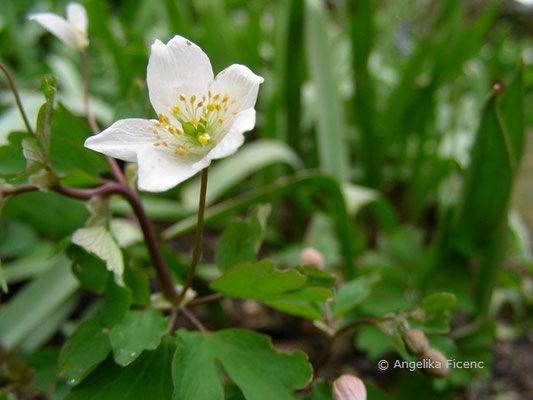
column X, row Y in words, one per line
column 199, row 118
column 72, row 31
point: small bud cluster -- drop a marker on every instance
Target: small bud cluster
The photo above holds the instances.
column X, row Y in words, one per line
column 417, row 344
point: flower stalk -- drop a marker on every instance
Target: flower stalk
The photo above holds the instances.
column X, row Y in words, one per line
column 198, row 237
column 17, row 98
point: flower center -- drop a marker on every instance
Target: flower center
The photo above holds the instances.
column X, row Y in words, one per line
column 194, row 123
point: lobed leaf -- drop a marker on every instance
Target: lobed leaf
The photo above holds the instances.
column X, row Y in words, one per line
column 247, row 357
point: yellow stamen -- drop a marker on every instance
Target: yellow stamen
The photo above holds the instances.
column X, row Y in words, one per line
column 210, row 107
column 193, row 99
column 182, row 97
column 181, row 150
column 204, row 139
column 175, row 109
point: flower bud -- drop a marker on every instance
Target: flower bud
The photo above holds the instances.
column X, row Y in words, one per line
column 312, row 257
column 348, row 387
column 435, row 364
column 415, row 342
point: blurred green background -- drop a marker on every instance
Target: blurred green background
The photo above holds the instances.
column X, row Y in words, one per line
column 393, row 136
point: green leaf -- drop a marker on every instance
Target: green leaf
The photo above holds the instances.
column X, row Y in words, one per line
column 438, row 302
column 117, row 301
column 139, row 331
column 328, row 107
column 321, row 391
column 247, row 357
column 36, row 302
column 44, row 123
column 11, row 155
column 148, row 377
column 97, row 239
column 100, row 242
column 137, row 281
column 44, row 217
column 352, row 293
column 241, row 240
column 288, row 291
column 229, row 171
column 316, row 277
column 34, row 155
column 362, row 34
column 495, row 158
column 296, row 307
column 3, row 281
column 90, row 271
column 84, row 350
column 258, row 281
column 67, row 152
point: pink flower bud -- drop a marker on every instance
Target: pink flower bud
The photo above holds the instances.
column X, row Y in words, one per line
column 312, row 257
column 415, row 341
column 348, row 387
column 435, row 364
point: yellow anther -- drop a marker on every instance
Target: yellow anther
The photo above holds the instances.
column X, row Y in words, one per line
column 180, row 150
column 175, row 109
column 173, row 129
column 220, row 121
column 225, row 98
column 216, row 96
column 182, row 97
column 193, row 99
column 200, row 104
column 217, row 107
column 156, row 144
column 164, row 144
column 210, row 107
column 157, row 124
column 209, row 93
column 163, row 118
column 204, row 139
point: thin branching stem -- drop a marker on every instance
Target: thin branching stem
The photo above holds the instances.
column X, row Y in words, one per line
column 198, row 237
column 106, row 189
column 205, row 299
column 17, row 97
column 195, row 321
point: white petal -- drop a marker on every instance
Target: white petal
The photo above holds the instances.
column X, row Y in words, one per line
column 243, row 122
column 58, row 26
column 77, row 16
column 180, row 66
column 240, row 84
column 123, row 139
column 160, row 169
